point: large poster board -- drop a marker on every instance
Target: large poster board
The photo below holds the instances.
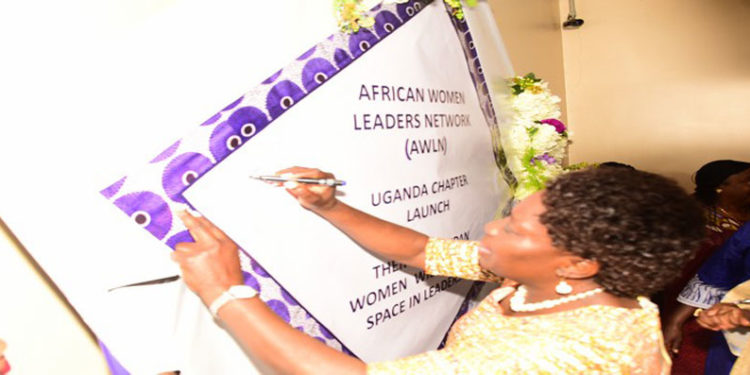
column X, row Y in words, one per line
column 413, row 137
column 413, row 145
column 131, row 87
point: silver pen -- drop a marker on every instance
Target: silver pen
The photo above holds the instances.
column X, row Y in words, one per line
column 302, row 180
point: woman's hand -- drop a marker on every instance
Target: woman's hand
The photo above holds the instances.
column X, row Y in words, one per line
column 672, row 327
column 383, row 238
column 315, row 198
column 673, row 338
column 724, row 316
column 210, row 265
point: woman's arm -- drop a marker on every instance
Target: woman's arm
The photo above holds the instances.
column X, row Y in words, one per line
column 210, row 265
column 378, row 236
column 673, row 327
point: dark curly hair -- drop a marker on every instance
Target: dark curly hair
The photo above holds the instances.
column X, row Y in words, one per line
column 640, row 227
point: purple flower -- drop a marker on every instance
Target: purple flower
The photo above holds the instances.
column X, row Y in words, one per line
column 559, row 126
column 547, row 158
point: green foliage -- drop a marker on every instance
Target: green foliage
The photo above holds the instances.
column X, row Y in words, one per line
column 520, row 84
column 457, row 10
column 535, row 178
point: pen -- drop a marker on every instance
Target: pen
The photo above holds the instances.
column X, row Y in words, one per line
column 302, row 180
column 149, row 282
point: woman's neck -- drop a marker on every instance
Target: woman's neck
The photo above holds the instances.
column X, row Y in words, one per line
column 537, row 294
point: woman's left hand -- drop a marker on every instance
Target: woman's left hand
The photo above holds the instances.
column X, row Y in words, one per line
column 724, row 316
column 210, row 265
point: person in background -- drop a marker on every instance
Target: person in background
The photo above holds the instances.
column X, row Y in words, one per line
column 725, row 269
column 584, row 252
column 616, row 164
column 4, row 364
column 723, row 187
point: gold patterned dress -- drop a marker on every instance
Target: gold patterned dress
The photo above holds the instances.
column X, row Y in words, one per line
column 594, row 339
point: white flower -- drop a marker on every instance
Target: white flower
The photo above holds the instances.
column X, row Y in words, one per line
column 535, row 107
column 522, row 137
column 546, row 138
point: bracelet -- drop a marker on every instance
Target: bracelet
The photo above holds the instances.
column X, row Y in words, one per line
column 231, row 294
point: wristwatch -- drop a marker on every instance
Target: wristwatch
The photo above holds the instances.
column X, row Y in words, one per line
column 233, row 293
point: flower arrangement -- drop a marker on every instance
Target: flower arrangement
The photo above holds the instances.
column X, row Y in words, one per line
column 456, row 9
column 534, row 139
column 351, row 14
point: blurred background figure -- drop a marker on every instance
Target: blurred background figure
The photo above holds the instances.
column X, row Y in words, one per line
column 727, row 269
column 616, row 164
column 4, row 365
column 723, row 187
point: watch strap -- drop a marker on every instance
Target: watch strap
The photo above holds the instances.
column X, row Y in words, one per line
column 231, row 294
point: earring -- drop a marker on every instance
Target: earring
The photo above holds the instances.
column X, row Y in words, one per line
column 563, row 287
column 718, row 191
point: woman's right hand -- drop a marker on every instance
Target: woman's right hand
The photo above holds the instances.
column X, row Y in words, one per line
column 673, row 338
column 315, row 198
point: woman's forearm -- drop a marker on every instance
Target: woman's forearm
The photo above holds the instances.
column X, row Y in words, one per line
column 267, row 338
column 378, row 236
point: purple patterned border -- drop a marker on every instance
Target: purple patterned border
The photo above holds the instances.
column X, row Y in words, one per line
column 483, row 93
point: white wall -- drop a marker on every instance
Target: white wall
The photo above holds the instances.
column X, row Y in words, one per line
column 662, row 85
column 532, row 35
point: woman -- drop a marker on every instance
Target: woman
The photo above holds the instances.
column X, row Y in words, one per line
column 583, row 250
column 727, row 268
column 723, row 187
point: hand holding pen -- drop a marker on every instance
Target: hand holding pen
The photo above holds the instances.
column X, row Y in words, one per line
column 302, row 180
column 314, row 189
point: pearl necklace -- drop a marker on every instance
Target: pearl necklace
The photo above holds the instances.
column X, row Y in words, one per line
column 518, row 301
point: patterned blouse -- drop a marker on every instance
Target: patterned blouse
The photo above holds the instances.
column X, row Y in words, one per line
column 594, row 339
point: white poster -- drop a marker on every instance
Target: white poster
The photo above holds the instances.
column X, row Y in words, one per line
column 414, row 147
column 94, row 90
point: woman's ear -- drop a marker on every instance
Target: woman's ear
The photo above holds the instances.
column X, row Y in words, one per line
column 579, row 268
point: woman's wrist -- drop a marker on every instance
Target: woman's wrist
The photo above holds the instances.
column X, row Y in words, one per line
column 234, row 293
column 327, row 207
column 209, row 295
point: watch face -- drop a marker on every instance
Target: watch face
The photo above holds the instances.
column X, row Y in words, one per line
column 242, row 291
